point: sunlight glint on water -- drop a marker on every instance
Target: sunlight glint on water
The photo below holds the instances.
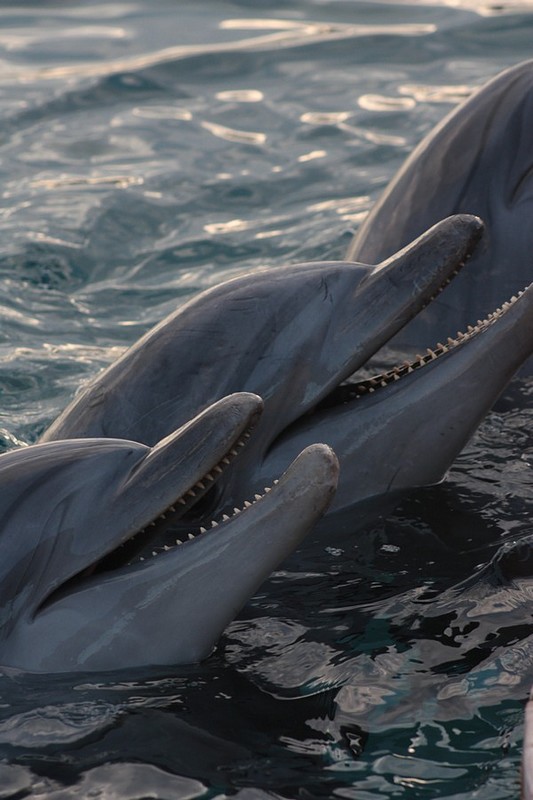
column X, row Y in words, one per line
column 148, row 151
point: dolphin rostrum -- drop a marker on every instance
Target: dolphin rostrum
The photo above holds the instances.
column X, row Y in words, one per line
column 478, row 160
column 295, row 336
column 82, row 585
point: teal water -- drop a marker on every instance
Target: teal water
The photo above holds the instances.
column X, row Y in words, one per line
column 147, row 151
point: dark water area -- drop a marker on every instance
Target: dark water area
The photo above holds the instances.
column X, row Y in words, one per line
column 149, row 151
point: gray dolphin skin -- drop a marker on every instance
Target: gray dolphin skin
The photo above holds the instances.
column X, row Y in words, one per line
column 478, row 160
column 84, row 587
column 293, row 336
column 404, row 427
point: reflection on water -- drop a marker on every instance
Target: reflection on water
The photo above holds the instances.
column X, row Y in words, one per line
column 147, row 152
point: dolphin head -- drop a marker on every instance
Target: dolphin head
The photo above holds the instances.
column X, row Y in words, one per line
column 292, row 335
column 403, row 427
column 478, row 160
column 81, row 586
column 289, row 335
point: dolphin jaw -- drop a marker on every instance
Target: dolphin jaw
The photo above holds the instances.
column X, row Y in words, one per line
column 345, row 390
column 441, row 232
column 220, row 523
column 122, row 556
column 202, row 486
column 276, row 495
column 350, row 391
column 415, row 277
column 224, row 520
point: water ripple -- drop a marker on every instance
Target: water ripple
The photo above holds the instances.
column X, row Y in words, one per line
column 146, row 154
column 288, row 35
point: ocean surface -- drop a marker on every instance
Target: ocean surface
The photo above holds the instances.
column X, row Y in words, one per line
column 149, row 150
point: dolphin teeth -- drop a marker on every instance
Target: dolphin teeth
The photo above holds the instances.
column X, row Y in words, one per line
column 257, row 496
column 225, row 460
column 203, row 530
column 190, row 536
column 234, row 452
column 182, row 501
column 214, row 523
column 172, row 508
column 267, row 489
column 162, row 516
column 141, row 559
column 191, row 493
column 225, row 517
column 154, row 553
column 276, row 481
column 247, row 504
column 166, row 547
column 219, row 468
column 178, row 541
column 236, row 510
column 200, row 484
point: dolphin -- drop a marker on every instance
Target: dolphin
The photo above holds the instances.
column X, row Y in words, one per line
column 478, row 160
column 292, row 335
column 82, row 586
column 296, row 336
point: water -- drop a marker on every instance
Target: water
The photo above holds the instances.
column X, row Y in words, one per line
column 147, row 151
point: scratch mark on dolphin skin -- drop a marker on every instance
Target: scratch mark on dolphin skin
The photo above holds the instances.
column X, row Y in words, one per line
column 325, row 289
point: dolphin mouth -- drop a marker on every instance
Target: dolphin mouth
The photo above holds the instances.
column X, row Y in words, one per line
column 195, row 531
column 137, row 547
column 141, row 549
column 133, row 555
column 354, row 389
column 355, row 385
